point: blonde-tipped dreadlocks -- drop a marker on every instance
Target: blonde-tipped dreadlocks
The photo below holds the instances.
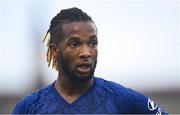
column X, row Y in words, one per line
column 54, row 33
column 50, row 59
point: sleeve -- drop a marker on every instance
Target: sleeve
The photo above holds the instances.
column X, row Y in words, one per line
column 144, row 105
column 20, row 108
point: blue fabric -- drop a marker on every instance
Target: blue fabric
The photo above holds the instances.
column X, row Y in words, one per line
column 103, row 96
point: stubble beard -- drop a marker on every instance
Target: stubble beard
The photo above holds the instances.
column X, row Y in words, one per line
column 71, row 74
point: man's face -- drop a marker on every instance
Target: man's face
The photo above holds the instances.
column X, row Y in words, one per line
column 78, row 51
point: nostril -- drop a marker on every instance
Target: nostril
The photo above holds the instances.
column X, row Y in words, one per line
column 85, row 56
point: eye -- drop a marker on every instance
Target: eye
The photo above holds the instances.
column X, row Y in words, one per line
column 93, row 43
column 73, row 41
column 74, row 44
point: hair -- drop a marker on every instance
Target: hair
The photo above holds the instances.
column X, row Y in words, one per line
column 54, row 33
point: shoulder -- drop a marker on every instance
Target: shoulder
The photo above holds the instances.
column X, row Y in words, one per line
column 27, row 103
column 131, row 100
column 115, row 88
column 122, row 96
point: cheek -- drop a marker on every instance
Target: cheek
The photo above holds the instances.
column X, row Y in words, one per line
column 95, row 52
column 70, row 58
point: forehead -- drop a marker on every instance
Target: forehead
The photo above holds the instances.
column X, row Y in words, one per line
column 79, row 28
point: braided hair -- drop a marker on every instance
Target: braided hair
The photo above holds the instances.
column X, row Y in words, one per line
column 54, row 33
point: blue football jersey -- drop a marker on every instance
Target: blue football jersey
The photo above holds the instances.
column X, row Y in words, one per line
column 103, row 97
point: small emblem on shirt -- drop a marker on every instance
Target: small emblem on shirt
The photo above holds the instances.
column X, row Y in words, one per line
column 159, row 112
column 151, row 105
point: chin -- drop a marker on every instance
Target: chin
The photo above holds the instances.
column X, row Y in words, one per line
column 81, row 78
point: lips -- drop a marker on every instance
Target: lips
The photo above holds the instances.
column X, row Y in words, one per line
column 84, row 68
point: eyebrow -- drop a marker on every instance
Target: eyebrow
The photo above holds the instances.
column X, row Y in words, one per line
column 73, row 38
column 76, row 38
column 93, row 37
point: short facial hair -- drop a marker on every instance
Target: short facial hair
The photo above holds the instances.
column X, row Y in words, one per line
column 64, row 63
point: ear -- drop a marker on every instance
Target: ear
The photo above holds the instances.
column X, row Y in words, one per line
column 54, row 50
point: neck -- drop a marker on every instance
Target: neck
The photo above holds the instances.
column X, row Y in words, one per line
column 66, row 86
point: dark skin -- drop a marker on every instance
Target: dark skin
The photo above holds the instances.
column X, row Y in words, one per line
column 78, row 52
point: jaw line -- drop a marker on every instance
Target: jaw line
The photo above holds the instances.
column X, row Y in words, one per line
column 71, row 75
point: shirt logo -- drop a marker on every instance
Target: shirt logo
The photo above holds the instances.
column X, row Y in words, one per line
column 151, row 105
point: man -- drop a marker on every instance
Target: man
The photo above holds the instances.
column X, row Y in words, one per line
column 72, row 51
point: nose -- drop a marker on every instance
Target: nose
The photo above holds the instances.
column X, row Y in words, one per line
column 84, row 52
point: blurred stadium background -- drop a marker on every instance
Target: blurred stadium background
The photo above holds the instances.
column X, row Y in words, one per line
column 139, row 46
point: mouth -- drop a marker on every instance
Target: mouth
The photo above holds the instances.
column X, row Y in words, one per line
column 84, row 68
